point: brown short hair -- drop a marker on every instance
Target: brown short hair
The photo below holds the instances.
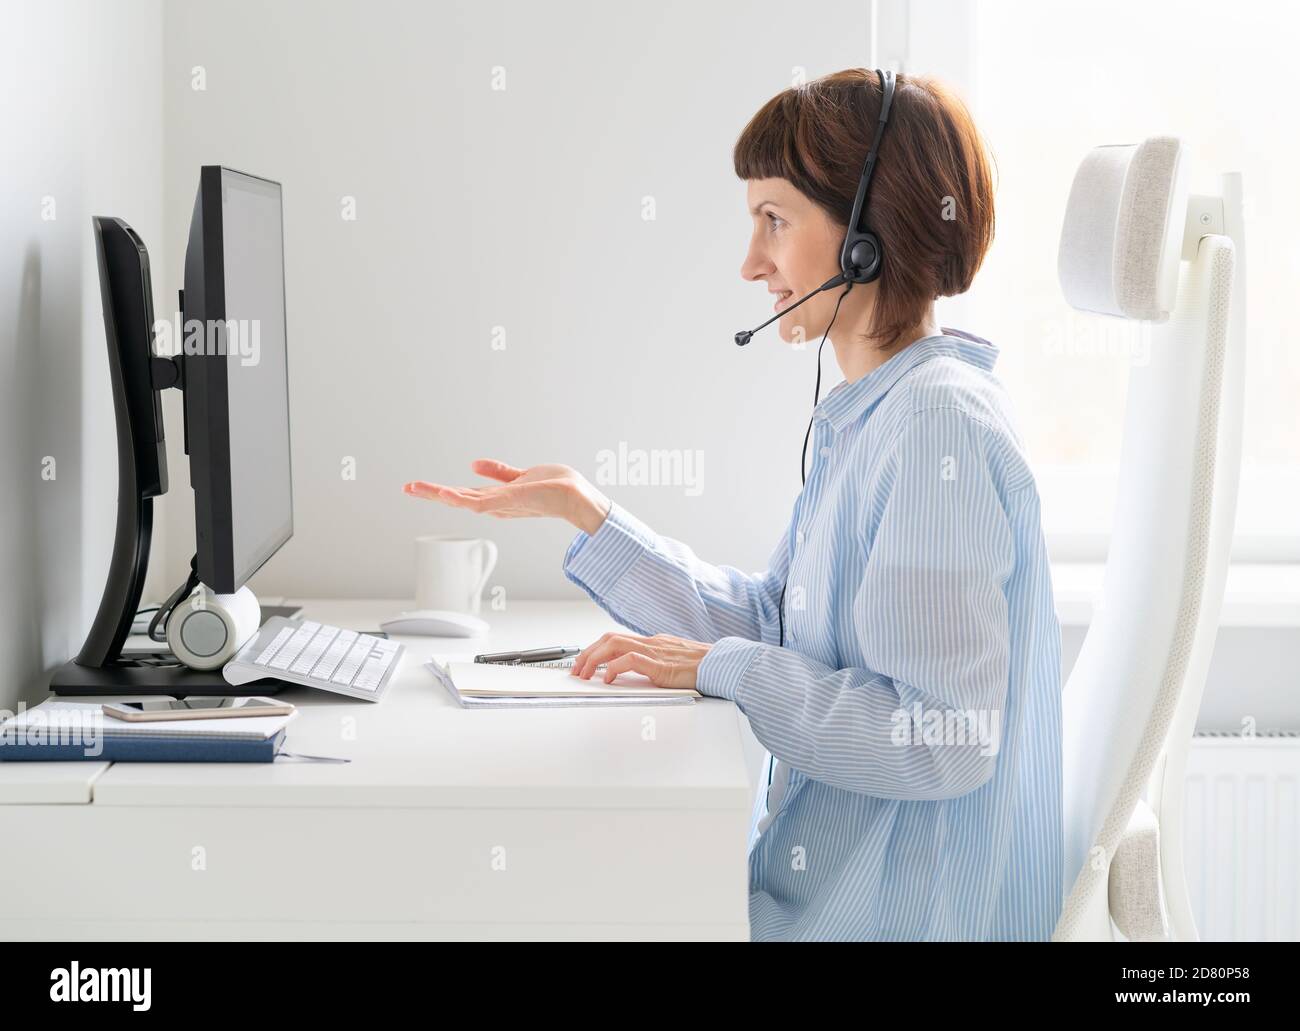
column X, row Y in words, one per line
column 931, row 199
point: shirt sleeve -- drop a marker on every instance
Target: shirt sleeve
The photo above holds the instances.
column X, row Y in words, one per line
column 656, row 585
column 922, row 716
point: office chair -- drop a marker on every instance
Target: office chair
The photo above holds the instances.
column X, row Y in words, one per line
column 1135, row 245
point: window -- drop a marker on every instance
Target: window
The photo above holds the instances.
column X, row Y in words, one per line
column 1046, row 83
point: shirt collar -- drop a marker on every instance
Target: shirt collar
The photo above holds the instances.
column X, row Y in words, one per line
column 848, row 401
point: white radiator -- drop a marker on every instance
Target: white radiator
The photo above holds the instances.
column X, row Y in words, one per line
column 1242, row 826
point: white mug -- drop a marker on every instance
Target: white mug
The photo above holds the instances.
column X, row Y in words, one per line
column 451, row 572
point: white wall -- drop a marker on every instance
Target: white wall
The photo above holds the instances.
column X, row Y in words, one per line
column 519, row 208
column 80, row 106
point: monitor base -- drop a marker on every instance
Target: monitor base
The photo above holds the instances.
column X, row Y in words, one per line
column 150, row 675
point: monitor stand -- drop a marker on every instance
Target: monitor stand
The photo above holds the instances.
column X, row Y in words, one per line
column 138, row 377
column 103, row 667
column 151, row 675
column 106, row 669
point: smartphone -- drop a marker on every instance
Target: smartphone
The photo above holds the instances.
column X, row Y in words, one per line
column 196, row 708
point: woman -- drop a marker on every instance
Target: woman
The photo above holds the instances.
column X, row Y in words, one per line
column 900, row 659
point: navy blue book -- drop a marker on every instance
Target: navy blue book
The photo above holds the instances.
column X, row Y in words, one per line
column 61, row 730
column 139, row 748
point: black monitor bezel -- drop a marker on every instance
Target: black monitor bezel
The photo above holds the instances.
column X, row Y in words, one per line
column 207, row 397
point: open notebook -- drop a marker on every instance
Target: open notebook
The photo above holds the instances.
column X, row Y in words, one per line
column 484, row 685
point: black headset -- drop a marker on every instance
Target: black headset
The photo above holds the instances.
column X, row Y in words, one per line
column 862, row 257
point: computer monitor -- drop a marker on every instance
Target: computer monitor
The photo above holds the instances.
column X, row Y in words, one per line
column 236, row 376
column 126, row 289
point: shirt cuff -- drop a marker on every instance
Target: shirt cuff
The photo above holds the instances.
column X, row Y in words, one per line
column 596, row 562
column 721, row 673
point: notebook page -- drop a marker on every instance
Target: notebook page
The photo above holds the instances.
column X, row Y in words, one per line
column 477, row 679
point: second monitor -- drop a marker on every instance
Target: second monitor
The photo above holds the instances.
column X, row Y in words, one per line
column 237, row 389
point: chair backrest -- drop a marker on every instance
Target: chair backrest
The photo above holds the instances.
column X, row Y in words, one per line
column 1121, row 248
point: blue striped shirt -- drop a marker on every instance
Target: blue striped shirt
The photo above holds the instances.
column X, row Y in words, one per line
column 912, row 787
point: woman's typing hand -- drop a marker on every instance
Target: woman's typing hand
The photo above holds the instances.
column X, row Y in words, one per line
column 668, row 661
column 543, row 490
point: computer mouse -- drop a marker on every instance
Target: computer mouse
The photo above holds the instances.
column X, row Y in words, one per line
column 434, row 623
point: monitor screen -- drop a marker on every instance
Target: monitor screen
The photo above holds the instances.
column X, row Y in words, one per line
column 236, row 377
column 257, row 375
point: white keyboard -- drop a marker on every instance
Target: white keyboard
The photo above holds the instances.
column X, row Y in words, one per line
column 299, row 651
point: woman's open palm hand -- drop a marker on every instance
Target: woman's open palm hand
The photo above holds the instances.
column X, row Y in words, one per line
column 559, row 491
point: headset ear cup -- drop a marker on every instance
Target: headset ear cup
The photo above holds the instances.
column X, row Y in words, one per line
column 865, row 256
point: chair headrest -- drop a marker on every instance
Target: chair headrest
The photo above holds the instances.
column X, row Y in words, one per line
column 1122, row 238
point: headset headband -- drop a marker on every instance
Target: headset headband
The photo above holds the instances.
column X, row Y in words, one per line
column 869, row 166
column 856, row 233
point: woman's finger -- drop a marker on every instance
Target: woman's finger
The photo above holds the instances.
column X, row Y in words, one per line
column 580, row 659
column 443, row 492
column 492, row 500
column 638, row 662
column 437, row 492
column 608, row 647
column 495, row 470
column 463, row 493
column 424, row 489
column 601, row 652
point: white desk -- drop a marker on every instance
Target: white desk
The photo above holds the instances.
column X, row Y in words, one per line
column 554, row 823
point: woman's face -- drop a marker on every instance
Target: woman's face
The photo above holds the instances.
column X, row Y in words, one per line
column 795, row 248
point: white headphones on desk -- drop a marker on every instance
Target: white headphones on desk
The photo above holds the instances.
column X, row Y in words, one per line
column 206, row 630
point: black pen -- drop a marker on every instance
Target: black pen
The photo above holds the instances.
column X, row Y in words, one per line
column 561, row 651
